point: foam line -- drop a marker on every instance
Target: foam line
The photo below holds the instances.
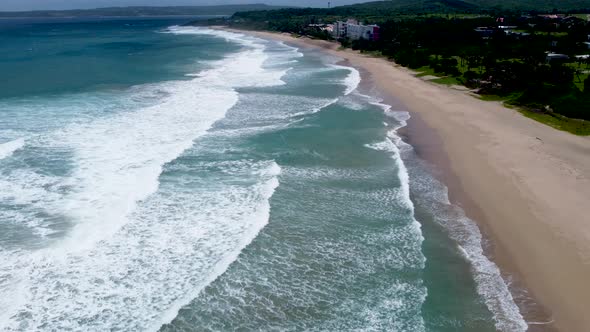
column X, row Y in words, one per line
column 352, row 80
column 122, row 213
column 393, row 145
column 489, row 282
column 262, row 218
column 8, row 148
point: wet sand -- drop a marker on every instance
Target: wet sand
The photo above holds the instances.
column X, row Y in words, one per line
column 526, row 184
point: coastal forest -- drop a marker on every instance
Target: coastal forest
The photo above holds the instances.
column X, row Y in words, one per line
column 533, row 55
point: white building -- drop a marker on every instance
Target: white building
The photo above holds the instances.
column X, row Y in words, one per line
column 354, row 30
column 341, row 28
column 359, row 31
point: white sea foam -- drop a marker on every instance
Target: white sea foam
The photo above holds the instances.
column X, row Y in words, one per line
column 137, row 248
column 316, row 109
column 388, row 145
column 393, row 145
column 352, row 80
column 174, row 245
column 120, row 157
column 8, row 148
column 490, row 284
column 260, row 217
column 249, row 69
column 292, row 48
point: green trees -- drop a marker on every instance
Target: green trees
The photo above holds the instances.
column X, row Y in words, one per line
column 471, row 48
column 511, row 65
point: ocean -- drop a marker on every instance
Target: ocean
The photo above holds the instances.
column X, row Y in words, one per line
column 156, row 177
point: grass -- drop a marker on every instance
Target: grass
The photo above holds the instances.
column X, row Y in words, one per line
column 580, row 82
column 557, row 121
column 447, row 80
column 581, row 16
column 543, row 33
column 428, row 71
column 509, row 98
column 560, row 122
column 491, row 98
column 463, row 68
column 554, row 34
column 425, row 71
column 376, row 54
column 574, row 126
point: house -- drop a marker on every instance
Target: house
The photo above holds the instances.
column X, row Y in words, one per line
column 556, row 56
column 485, row 32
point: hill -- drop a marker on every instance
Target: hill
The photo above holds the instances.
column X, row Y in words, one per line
column 144, row 11
column 422, row 6
column 379, row 11
column 437, row 6
column 539, row 5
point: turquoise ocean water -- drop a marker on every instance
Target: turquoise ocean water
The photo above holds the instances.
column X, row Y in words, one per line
column 159, row 177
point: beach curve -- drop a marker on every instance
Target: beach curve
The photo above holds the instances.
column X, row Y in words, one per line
column 523, row 182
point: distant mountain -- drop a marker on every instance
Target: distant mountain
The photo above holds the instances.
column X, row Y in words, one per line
column 432, row 6
column 423, row 6
column 540, row 5
column 144, row 11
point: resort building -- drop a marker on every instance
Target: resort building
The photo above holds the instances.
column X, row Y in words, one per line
column 354, row 30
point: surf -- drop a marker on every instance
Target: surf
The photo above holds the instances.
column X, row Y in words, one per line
column 119, row 209
column 8, row 148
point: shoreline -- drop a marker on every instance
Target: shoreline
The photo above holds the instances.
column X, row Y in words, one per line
column 523, row 182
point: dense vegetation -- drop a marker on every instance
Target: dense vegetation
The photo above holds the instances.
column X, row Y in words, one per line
column 385, row 10
column 439, row 37
column 142, row 11
column 512, row 66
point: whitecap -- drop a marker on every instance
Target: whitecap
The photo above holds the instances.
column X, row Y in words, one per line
column 8, row 148
column 352, row 80
column 135, row 255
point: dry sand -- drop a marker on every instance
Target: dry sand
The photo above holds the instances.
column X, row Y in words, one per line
column 527, row 184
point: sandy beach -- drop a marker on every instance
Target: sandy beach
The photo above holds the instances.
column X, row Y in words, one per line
column 526, row 184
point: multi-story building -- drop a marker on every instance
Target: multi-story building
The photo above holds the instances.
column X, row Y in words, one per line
column 354, row 30
column 360, row 31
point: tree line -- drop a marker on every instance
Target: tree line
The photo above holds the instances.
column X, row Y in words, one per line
column 510, row 64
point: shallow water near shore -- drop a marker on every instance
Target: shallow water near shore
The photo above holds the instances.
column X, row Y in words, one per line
column 186, row 179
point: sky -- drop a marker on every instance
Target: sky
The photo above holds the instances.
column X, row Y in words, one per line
column 22, row 5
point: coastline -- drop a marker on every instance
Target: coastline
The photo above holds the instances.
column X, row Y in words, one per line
column 524, row 183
